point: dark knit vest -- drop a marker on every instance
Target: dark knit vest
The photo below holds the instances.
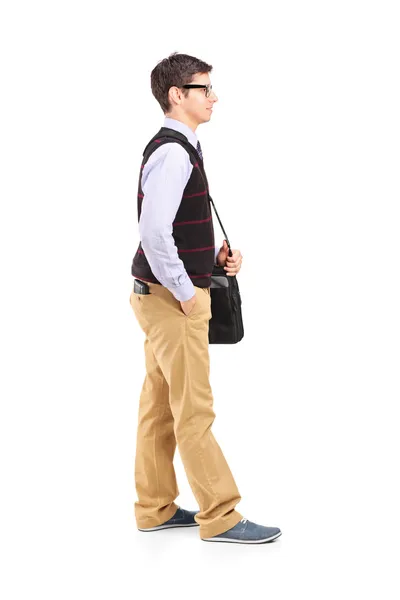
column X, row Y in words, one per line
column 192, row 228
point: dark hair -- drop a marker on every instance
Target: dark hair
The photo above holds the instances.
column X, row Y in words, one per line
column 177, row 69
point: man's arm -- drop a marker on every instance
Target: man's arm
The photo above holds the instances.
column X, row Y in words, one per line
column 164, row 179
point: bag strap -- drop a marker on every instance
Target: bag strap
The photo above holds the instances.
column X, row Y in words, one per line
column 172, row 133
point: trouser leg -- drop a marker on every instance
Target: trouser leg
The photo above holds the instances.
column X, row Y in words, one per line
column 155, row 479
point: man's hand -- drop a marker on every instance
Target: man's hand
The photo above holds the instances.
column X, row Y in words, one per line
column 232, row 264
column 187, row 305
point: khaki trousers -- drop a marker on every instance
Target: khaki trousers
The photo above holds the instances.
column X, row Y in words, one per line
column 176, row 408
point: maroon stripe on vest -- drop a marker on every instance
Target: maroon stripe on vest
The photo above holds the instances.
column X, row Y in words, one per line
column 193, row 195
column 192, row 222
column 139, row 251
column 184, row 196
column 198, row 249
column 158, row 141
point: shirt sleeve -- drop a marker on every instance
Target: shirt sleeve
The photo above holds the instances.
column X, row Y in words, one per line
column 164, row 179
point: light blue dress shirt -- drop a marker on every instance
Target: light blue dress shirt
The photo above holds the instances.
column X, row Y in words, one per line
column 164, row 179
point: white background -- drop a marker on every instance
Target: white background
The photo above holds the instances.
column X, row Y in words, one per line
column 302, row 156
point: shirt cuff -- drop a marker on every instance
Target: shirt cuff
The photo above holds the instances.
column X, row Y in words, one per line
column 184, row 291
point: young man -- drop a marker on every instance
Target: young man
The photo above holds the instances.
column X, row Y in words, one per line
column 172, row 303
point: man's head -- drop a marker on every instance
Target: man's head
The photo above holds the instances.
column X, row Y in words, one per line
column 191, row 106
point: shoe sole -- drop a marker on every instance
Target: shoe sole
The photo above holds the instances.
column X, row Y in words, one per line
column 262, row 541
column 168, row 526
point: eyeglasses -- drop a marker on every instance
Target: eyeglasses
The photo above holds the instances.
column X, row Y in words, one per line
column 207, row 87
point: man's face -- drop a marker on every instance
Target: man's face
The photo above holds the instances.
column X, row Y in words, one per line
column 197, row 108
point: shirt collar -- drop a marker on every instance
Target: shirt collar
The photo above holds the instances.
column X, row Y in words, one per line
column 182, row 128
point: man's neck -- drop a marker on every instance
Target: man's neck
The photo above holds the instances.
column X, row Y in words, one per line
column 186, row 121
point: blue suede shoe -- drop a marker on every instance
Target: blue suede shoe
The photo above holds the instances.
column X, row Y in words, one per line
column 182, row 518
column 246, row 532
